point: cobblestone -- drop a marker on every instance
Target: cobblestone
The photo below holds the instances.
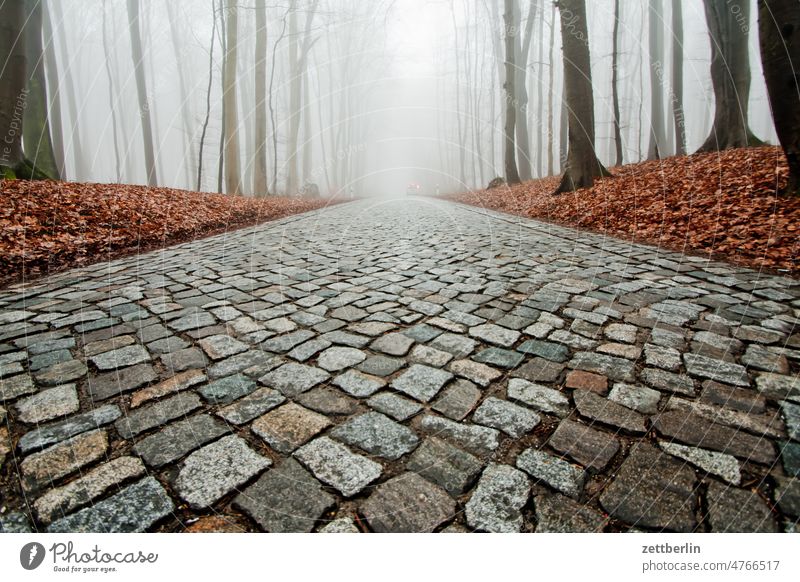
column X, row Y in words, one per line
column 621, row 380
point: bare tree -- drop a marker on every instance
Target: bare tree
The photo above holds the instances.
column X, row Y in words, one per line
column 233, row 182
column 779, row 31
column 677, row 77
column 521, row 93
column 53, row 92
column 260, row 176
column 141, row 91
column 13, row 93
column 582, row 164
column 615, row 85
column 36, row 127
column 112, row 102
column 183, row 84
column 730, row 75
column 658, row 133
column 511, row 25
column 208, row 95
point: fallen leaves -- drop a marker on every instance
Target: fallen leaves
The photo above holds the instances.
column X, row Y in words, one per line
column 47, row 226
column 723, row 205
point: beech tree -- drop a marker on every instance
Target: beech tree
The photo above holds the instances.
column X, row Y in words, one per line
column 141, row 91
column 658, row 132
column 677, row 78
column 730, row 75
column 779, row 32
column 512, row 26
column 582, row 165
column 260, row 176
column 12, row 85
column 233, row 182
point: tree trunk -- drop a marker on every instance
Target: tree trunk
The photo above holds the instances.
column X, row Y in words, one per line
column 582, row 163
column 208, row 96
column 512, row 175
column 112, row 102
column 141, row 91
column 730, row 75
column 677, row 77
column 521, row 94
column 461, row 131
column 54, row 92
column 38, row 144
column 658, row 134
column 233, row 182
column 551, row 91
column 13, row 93
column 185, row 98
column 615, row 85
column 260, row 178
column 779, row 31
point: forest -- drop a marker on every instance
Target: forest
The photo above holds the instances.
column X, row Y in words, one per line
column 338, row 99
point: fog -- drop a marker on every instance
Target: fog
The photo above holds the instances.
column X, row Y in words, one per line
column 393, row 92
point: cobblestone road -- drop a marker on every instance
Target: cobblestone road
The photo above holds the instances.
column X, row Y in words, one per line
column 401, row 366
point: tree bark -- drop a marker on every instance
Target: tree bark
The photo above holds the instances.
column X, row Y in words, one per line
column 38, row 144
column 112, row 102
column 677, row 78
column 582, row 163
column 779, row 32
column 54, row 92
column 260, row 177
column 141, row 91
column 233, row 182
column 658, row 134
column 730, row 75
column 185, row 99
column 551, row 91
column 521, row 94
column 13, row 93
column 512, row 174
column 615, row 85
column 208, row 96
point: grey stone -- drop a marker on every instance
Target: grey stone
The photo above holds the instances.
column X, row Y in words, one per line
column 217, row 469
column 286, row 342
column 292, row 379
column 153, row 415
column 218, row 347
column 449, row 467
column 539, row 397
column 48, row 404
column 378, row 435
column 37, row 362
column 479, row 373
column 732, row 510
column 421, row 382
column 457, row 345
column 496, row 505
column 341, row 525
column 118, row 382
column 778, row 386
column 193, row 321
column 787, row 496
column 226, row 390
column 719, row 464
column 178, row 439
column 62, row 430
column 338, row 358
column 458, row 400
column 513, row 420
column 167, row 345
column 253, row 363
column 136, row 508
column 607, row 411
column 107, row 345
column 495, row 334
column 713, row 369
column 615, row 368
column 548, row 350
column 539, row 370
column 328, row 401
column 289, row 426
column 61, row 373
column 394, row 344
column 16, row 386
column 48, row 466
column 286, row 499
column 121, row 358
column 408, row 504
column 381, row 365
column 559, row 514
column 557, row 473
column 397, row 407
column 791, row 414
column 647, row 475
column 480, row 440
column 337, row 466
column 639, row 398
column 668, row 381
column 358, row 384
column 184, row 360
column 308, row 350
column 430, row 356
column 499, row 357
column 87, row 488
column 422, row 332
column 591, row 448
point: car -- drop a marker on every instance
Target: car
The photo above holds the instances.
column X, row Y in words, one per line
column 413, row 189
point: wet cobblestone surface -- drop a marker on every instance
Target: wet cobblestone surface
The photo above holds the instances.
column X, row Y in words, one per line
column 401, row 366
